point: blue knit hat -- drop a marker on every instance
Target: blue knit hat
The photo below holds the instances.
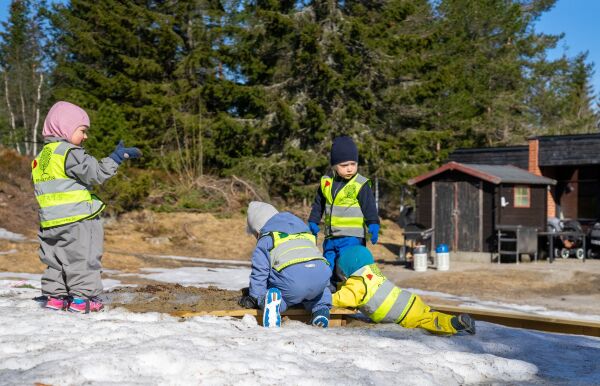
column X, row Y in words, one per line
column 343, row 149
column 353, row 258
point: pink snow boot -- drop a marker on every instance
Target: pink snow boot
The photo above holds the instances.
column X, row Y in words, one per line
column 58, row 303
column 85, row 306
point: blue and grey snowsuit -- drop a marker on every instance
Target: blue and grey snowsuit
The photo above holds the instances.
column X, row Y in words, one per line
column 303, row 283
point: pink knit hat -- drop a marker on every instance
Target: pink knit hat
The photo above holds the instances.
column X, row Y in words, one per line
column 62, row 120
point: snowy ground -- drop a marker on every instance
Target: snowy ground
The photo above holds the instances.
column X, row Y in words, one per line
column 225, row 278
column 119, row 347
column 124, row 348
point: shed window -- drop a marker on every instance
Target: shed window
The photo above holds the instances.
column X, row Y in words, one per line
column 522, row 197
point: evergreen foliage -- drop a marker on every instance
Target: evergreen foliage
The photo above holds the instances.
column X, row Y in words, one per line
column 258, row 89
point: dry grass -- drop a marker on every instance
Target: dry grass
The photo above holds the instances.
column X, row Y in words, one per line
column 183, row 234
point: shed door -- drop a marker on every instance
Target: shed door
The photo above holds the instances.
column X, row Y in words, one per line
column 457, row 218
column 468, row 219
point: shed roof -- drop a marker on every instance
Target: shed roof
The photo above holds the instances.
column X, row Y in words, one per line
column 495, row 174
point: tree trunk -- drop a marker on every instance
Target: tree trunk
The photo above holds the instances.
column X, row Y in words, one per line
column 35, row 127
column 13, row 124
column 23, row 116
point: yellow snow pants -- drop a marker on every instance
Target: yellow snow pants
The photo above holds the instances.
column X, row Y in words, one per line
column 420, row 315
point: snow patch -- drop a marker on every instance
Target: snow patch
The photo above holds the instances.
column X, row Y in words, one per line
column 120, row 347
column 226, row 278
column 202, row 260
column 8, row 235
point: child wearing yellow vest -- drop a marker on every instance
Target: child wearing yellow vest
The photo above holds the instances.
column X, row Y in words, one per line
column 366, row 288
column 71, row 232
column 346, row 202
column 287, row 267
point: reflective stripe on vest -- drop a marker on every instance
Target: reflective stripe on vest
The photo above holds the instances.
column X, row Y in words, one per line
column 383, row 302
column 295, row 248
column 343, row 216
column 62, row 199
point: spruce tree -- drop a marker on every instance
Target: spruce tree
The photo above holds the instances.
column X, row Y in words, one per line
column 158, row 63
column 485, row 49
column 579, row 116
column 258, row 89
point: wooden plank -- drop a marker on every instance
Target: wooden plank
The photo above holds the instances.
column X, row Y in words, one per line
column 511, row 319
column 337, row 316
column 528, row 321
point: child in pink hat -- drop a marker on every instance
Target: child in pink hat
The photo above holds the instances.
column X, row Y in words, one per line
column 71, row 232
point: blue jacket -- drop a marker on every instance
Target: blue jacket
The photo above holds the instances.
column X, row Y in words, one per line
column 294, row 281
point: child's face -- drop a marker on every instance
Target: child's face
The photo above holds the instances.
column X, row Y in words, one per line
column 347, row 169
column 79, row 135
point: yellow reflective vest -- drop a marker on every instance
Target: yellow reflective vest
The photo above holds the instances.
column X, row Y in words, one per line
column 343, row 215
column 374, row 295
column 62, row 199
column 289, row 249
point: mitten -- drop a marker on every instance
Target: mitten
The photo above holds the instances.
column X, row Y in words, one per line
column 121, row 152
column 374, row 231
column 314, row 228
column 248, row 301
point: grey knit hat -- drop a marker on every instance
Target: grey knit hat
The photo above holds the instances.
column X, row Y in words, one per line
column 258, row 215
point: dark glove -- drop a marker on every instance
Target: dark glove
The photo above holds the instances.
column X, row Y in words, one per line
column 314, row 228
column 374, row 231
column 121, row 152
column 248, row 301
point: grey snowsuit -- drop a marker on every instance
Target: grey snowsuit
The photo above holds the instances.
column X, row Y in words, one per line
column 73, row 252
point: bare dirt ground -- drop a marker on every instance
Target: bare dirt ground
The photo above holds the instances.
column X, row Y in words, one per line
column 18, row 209
column 173, row 297
column 133, row 240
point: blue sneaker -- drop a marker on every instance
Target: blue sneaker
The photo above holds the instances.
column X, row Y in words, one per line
column 271, row 314
column 320, row 318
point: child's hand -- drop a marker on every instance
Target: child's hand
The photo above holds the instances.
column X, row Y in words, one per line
column 248, row 301
column 374, row 231
column 314, row 228
column 121, row 152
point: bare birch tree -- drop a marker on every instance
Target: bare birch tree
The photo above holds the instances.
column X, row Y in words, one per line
column 22, row 62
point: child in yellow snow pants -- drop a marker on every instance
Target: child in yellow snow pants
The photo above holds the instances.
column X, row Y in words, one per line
column 364, row 287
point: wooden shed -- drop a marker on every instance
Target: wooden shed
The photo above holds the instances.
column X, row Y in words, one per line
column 465, row 203
column 572, row 160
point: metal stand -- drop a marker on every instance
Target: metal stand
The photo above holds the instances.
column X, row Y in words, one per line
column 524, row 238
column 416, row 236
